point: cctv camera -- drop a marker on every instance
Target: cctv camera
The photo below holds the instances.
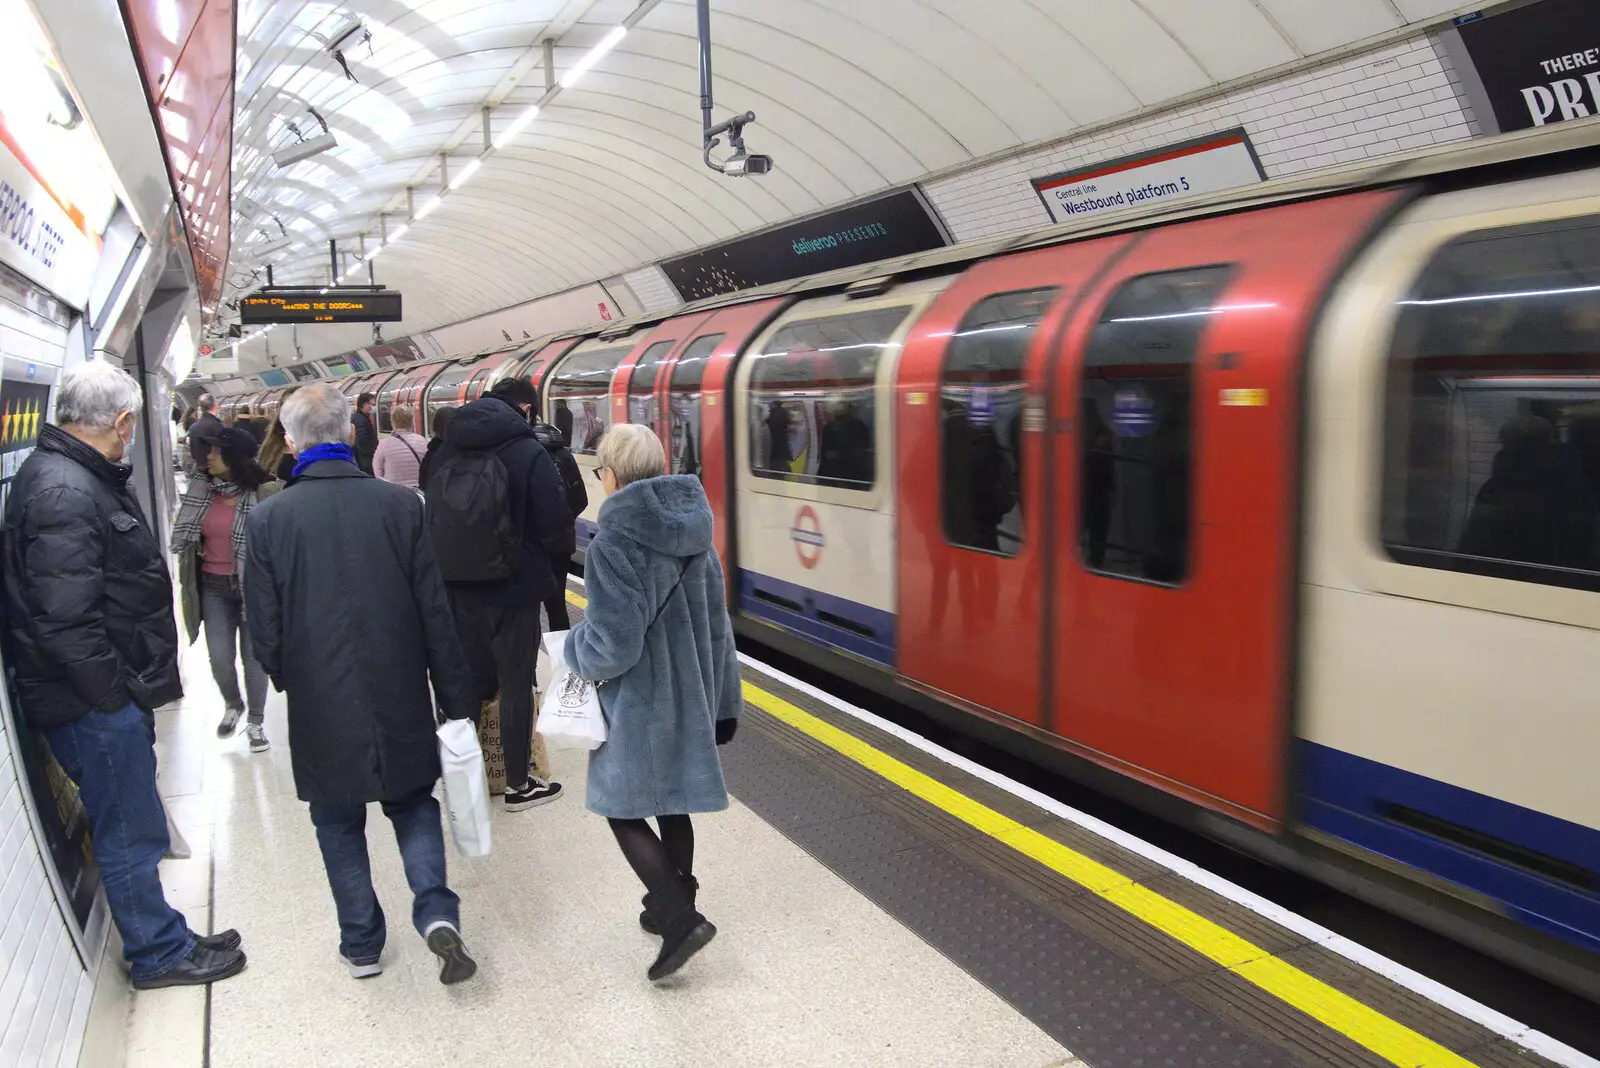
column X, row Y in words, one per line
column 742, row 166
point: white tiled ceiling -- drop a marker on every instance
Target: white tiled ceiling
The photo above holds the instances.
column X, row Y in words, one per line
column 853, row 96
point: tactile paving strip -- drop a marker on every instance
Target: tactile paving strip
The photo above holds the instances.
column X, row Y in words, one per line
column 1116, row 992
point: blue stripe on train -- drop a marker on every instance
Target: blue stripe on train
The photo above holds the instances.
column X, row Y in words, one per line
column 586, row 529
column 1353, row 799
column 855, row 628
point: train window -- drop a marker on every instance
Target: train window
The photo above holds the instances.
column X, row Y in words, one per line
column 688, row 375
column 1135, row 433
column 580, row 396
column 642, row 404
column 980, row 397
column 1492, row 418
column 813, row 400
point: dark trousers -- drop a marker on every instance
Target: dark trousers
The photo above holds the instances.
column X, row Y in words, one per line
column 226, row 638
column 556, row 607
column 502, row 647
column 111, row 756
column 342, row 834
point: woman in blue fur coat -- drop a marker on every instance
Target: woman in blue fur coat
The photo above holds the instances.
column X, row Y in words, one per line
column 656, row 634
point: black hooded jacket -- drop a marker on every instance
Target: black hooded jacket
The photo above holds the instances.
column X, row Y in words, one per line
column 87, row 591
column 577, row 494
column 537, row 496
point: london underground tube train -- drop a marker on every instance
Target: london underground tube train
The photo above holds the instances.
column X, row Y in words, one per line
column 1277, row 512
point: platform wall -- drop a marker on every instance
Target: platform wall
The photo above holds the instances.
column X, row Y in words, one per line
column 1399, row 97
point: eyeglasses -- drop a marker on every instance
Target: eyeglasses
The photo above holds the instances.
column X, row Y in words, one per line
column 597, row 471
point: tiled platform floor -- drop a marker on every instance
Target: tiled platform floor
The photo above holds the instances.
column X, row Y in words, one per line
column 806, row 971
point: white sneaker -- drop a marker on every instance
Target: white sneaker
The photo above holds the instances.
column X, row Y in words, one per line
column 362, row 971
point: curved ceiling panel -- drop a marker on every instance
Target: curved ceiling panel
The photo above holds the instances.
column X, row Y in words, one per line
column 854, row 97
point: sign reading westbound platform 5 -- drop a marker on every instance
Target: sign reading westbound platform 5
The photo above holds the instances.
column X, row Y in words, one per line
column 269, row 309
column 1206, row 165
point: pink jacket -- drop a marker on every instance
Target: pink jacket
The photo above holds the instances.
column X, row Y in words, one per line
column 398, row 457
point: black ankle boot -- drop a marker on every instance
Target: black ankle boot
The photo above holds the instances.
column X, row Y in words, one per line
column 648, row 919
column 684, row 932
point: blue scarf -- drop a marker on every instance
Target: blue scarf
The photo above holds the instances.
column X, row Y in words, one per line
column 317, row 453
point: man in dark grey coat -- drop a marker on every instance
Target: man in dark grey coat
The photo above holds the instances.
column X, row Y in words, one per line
column 95, row 650
column 356, row 671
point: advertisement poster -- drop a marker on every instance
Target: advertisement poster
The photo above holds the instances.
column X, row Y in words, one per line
column 63, row 825
column 1221, row 161
column 1538, row 64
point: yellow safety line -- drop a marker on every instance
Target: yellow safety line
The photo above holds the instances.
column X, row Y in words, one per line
column 1361, row 1024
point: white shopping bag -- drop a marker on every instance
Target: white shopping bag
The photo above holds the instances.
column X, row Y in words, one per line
column 466, row 787
column 570, row 717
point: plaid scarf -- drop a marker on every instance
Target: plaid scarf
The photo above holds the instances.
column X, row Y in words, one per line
column 197, row 498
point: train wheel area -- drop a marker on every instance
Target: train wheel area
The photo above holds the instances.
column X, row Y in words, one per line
column 881, row 901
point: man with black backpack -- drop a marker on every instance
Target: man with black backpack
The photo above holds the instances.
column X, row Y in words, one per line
column 559, row 446
column 497, row 509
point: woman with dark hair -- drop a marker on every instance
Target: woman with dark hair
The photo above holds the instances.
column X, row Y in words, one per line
column 439, row 423
column 275, row 454
column 209, row 538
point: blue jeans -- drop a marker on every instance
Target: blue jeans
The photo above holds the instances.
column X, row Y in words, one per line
column 111, row 756
column 342, row 834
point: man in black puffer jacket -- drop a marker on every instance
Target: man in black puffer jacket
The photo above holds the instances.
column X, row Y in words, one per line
column 498, row 618
column 560, row 449
column 95, row 649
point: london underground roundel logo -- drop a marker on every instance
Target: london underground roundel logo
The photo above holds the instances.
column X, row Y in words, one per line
column 807, row 536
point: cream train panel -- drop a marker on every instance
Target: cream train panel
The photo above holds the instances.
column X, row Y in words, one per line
column 820, row 558
column 1482, row 683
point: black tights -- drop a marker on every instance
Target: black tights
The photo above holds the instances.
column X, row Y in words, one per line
column 657, row 860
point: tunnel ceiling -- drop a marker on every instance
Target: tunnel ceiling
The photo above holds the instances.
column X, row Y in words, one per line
column 852, row 97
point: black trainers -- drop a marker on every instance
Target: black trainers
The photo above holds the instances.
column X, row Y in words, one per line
column 230, row 722
column 203, row 965
column 258, row 738
column 536, row 791
column 455, row 966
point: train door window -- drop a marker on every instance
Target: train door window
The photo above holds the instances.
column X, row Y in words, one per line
column 643, row 406
column 813, row 401
column 1136, row 425
column 980, row 398
column 1492, row 418
column 684, row 396
column 580, row 396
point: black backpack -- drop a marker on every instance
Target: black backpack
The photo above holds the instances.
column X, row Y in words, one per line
column 469, row 515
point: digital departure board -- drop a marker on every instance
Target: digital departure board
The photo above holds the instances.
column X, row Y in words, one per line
column 311, row 306
column 896, row 224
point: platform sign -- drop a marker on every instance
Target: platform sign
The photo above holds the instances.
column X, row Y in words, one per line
column 1538, row 64
column 269, row 309
column 1206, row 165
column 44, row 237
column 895, row 224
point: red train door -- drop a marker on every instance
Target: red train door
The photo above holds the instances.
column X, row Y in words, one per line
column 1175, row 452
column 696, row 386
column 970, row 393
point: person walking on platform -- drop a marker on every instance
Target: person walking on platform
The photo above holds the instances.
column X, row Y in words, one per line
column 366, row 432
column 95, row 650
column 361, row 717
column 275, row 454
column 556, row 443
column 657, row 631
column 399, row 456
column 208, row 537
column 497, row 511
